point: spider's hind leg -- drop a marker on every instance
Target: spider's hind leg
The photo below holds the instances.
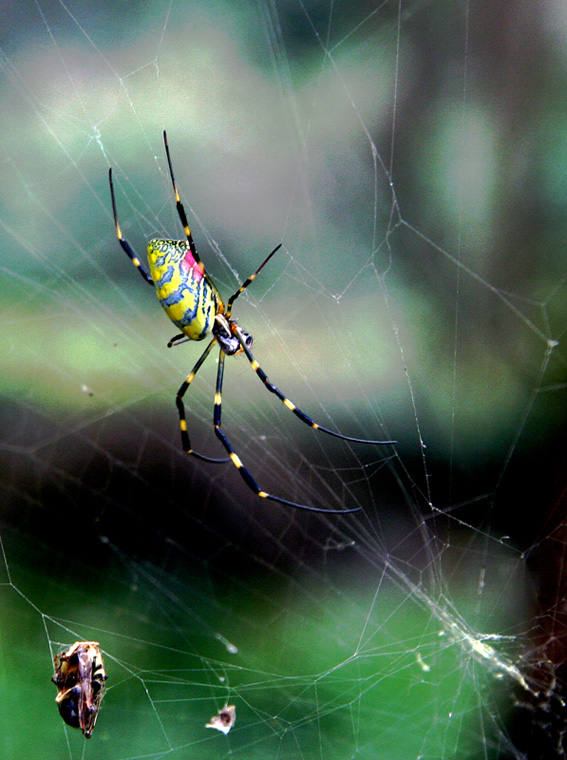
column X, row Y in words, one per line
column 123, row 242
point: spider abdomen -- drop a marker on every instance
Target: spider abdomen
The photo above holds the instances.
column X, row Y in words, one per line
column 182, row 287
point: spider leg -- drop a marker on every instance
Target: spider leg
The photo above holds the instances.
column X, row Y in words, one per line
column 124, row 243
column 185, row 442
column 185, row 223
column 179, row 205
column 246, row 476
column 247, row 282
column 177, row 339
column 291, row 406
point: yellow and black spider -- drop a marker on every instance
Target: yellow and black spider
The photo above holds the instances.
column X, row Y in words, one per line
column 194, row 305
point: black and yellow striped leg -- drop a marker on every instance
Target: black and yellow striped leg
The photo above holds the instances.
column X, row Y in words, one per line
column 291, row 406
column 179, row 205
column 247, row 282
column 185, row 223
column 245, row 474
column 185, row 441
column 124, row 243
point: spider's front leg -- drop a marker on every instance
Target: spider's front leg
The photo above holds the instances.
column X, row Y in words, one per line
column 289, row 404
column 235, row 459
column 185, row 440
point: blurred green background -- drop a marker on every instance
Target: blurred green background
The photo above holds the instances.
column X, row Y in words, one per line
column 410, row 158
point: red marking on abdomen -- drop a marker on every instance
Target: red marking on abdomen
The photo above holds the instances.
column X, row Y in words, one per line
column 197, row 268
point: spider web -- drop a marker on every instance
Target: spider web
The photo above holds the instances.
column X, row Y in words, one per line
column 409, row 157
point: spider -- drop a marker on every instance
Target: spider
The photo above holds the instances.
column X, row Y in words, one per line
column 193, row 303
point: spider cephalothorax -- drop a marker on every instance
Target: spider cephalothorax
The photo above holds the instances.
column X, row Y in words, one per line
column 224, row 331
